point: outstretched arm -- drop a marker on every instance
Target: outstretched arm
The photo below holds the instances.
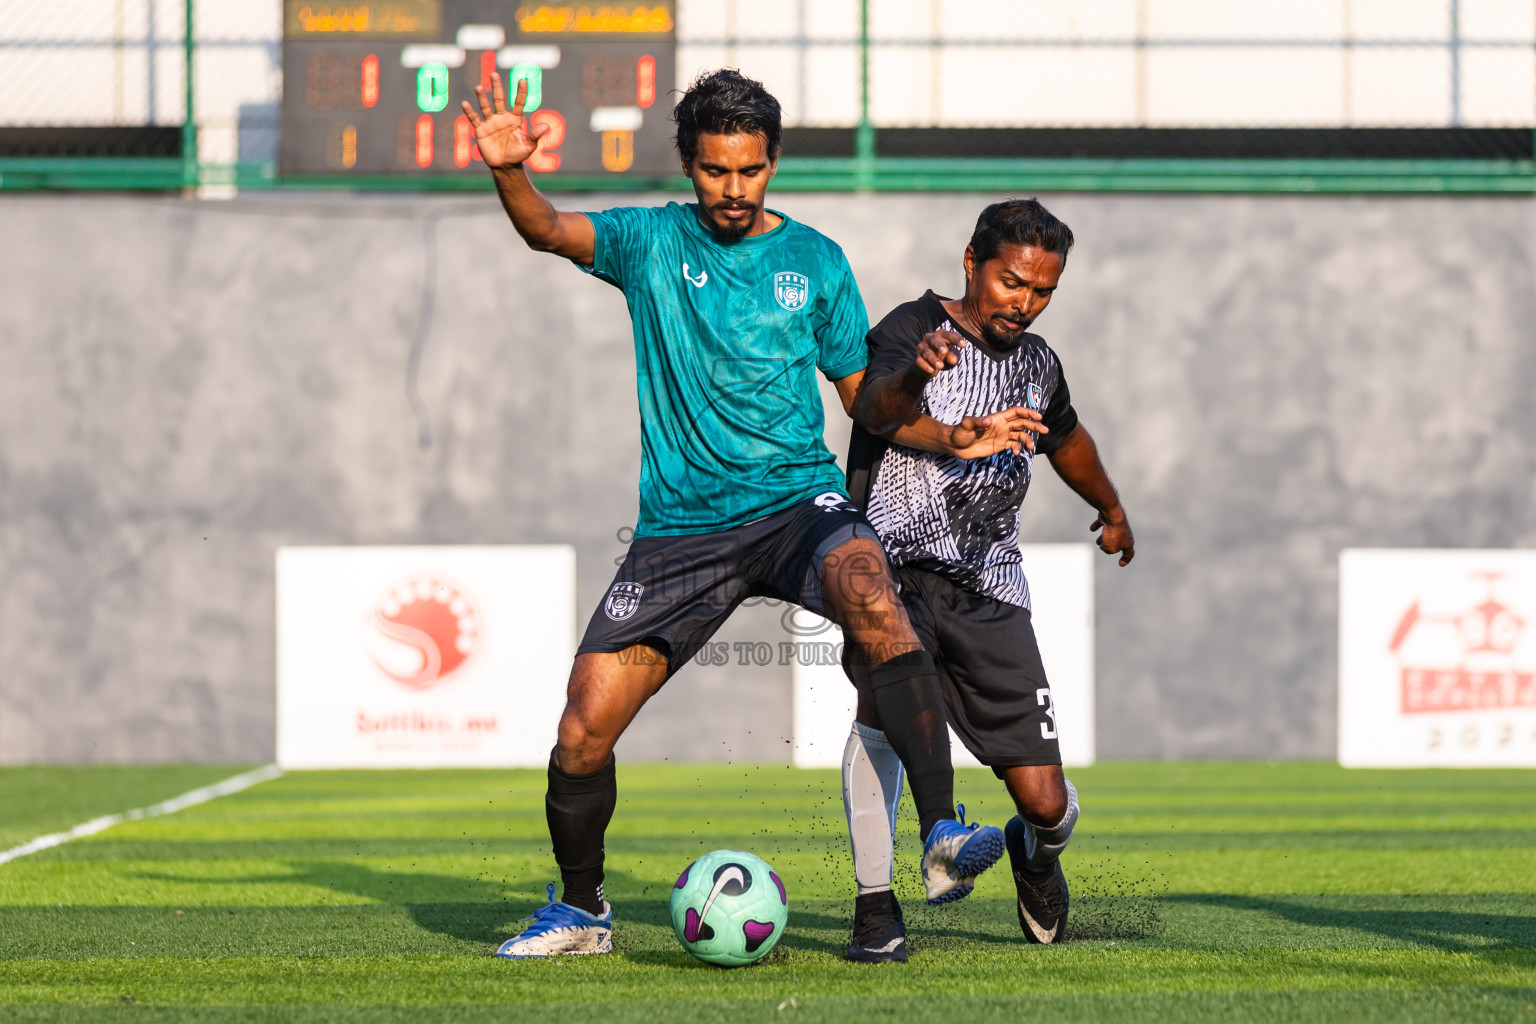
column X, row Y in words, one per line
column 974, row 437
column 506, row 141
column 1076, row 461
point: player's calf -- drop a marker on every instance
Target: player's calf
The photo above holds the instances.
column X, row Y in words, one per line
column 604, row 694
column 1034, row 853
column 953, row 853
column 890, row 668
column 872, row 780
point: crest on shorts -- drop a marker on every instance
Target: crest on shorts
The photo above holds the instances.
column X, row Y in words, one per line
column 791, row 289
column 622, row 601
column 1035, row 395
column 831, row 501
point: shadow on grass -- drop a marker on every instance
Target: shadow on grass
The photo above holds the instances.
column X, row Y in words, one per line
column 470, row 909
column 1449, row 923
column 486, row 911
column 825, row 926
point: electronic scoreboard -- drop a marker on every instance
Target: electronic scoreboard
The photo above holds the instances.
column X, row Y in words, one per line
column 374, row 88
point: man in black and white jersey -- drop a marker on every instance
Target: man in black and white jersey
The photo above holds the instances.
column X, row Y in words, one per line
column 963, row 398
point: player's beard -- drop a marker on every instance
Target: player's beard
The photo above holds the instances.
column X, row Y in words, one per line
column 733, row 229
column 1001, row 340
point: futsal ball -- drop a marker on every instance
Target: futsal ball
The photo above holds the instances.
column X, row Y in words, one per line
column 729, row 908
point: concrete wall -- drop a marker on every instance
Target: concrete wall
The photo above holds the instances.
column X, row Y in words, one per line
column 189, row 385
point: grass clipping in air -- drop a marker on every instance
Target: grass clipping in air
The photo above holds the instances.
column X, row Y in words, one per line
column 1111, row 899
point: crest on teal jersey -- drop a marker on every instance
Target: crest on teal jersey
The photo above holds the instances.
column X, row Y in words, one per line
column 791, row 289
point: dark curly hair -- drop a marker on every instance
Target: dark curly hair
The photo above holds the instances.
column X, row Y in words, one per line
column 726, row 102
column 1019, row 222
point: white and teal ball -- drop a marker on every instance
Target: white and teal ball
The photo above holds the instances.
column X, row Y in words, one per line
column 729, row 908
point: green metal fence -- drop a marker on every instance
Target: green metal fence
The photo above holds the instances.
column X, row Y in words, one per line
column 864, row 166
column 66, row 172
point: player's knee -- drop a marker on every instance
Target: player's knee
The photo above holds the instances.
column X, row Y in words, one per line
column 1039, row 792
column 579, row 747
column 859, row 586
column 1047, row 806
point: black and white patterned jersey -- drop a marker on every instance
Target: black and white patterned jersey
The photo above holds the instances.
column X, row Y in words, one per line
column 957, row 517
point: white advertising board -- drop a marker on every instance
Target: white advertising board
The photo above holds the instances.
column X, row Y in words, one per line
column 422, row 657
column 1437, row 658
column 1061, row 591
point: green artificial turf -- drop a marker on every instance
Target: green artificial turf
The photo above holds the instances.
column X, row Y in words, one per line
column 41, row 800
column 1200, row 892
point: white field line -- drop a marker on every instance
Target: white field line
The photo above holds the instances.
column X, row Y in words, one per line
column 171, row 806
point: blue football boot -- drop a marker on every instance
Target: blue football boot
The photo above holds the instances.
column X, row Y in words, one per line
column 955, row 854
column 560, row 929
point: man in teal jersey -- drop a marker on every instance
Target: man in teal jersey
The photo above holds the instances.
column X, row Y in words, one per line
column 735, row 307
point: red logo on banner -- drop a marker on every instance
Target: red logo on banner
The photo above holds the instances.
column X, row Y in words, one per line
column 1474, row 650
column 424, row 630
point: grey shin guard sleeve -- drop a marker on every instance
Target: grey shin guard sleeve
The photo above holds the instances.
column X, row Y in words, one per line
column 872, row 778
column 1044, row 845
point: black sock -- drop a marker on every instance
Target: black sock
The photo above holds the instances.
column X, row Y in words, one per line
column 883, row 901
column 910, row 704
column 578, row 808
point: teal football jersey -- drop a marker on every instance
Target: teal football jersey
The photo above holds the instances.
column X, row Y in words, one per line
column 728, row 339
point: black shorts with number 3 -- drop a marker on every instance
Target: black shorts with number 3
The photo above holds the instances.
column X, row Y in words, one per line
column 995, row 689
column 674, row 593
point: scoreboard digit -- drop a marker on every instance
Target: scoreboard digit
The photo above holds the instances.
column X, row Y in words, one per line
column 374, row 88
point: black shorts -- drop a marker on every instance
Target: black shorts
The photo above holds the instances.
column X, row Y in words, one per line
column 673, row 593
column 995, row 690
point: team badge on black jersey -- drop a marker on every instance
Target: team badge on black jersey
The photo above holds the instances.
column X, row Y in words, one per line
column 622, row 601
column 791, row 289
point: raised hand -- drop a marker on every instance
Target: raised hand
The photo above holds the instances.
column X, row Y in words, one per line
column 977, row 437
column 505, row 137
column 937, row 351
